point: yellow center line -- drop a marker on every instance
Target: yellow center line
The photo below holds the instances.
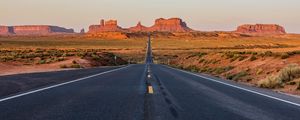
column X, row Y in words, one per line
column 150, row 90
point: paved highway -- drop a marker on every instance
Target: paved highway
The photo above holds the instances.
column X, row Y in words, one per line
column 149, row 92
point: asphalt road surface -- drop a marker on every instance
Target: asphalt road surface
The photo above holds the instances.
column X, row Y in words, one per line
column 149, row 92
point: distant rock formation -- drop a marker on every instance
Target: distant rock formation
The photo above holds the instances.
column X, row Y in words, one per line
column 161, row 25
column 261, row 29
column 170, row 25
column 6, row 30
column 106, row 26
column 138, row 28
column 33, row 30
column 82, row 31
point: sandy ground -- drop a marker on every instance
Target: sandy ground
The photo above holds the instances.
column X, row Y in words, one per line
column 18, row 68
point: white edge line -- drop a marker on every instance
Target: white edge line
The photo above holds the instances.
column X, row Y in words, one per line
column 258, row 93
column 57, row 85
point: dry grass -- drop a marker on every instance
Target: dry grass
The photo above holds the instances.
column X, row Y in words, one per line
column 274, row 44
column 68, row 43
column 285, row 75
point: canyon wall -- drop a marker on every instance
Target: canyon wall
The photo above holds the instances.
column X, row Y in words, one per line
column 261, row 29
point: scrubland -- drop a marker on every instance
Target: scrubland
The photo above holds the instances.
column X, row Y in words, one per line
column 265, row 61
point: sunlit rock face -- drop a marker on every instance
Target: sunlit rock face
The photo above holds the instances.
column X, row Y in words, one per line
column 261, row 29
column 39, row 30
column 106, row 26
column 33, row 30
column 169, row 25
column 160, row 25
column 5, row 30
column 138, row 28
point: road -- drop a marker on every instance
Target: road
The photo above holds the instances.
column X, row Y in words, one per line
column 149, row 92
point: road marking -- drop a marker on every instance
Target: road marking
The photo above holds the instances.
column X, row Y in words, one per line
column 150, row 90
column 252, row 91
column 61, row 84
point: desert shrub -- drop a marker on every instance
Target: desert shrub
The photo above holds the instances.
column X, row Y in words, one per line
column 268, row 53
column 74, row 62
column 42, row 62
column 95, row 57
column 242, row 58
column 75, row 66
column 285, row 75
column 270, row 82
column 39, row 50
column 296, row 52
column 289, row 73
column 259, row 71
column 63, row 66
column 61, row 59
column 192, row 68
column 202, row 60
column 220, row 70
column 229, row 55
column 284, row 56
column 253, row 58
column 291, row 83
column 237, row 76
column 254, row 53
column 201, row 54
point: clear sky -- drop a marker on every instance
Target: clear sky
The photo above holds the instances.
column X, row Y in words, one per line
column 206, row 15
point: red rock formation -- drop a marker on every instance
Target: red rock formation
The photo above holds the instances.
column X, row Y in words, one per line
column 82, row 31
column 39, row 30
column 107, row 26
column 261, row 29
column 170, row 25
column 138, row 28
column 4, row 30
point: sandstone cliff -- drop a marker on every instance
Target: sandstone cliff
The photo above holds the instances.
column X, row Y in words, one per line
column 5, row 30
column 161, row 25
column 33, row 30
column 39, row 30
column 261, row 29
column 138, row 28
column 170, row 25
column 107, row 26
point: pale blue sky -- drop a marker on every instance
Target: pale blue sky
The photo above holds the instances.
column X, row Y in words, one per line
column 206, row 15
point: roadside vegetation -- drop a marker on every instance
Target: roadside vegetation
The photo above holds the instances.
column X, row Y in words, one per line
column 284, row 76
